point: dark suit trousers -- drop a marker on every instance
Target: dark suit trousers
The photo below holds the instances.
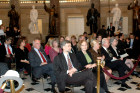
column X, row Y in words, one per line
column 3, row 68
column 83, row 78
column 45, row 69
column 120, row 67
column 8, row 61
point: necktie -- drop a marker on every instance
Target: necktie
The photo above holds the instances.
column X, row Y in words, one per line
column 44, row 60
column 9, row 51
column 69, row 63
column 109, row 52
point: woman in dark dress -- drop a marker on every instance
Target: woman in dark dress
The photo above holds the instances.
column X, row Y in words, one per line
column 85, row 58
column 21, row 55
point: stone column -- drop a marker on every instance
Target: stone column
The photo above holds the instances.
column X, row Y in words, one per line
column 97, row 6
column 57, row 7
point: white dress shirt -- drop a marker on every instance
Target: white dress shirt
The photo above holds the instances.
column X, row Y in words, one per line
column 39, row 54
column 9, row 48
column 66, row 57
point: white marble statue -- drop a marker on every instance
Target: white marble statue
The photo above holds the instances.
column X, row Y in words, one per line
column 116, row 16
column 33, row 26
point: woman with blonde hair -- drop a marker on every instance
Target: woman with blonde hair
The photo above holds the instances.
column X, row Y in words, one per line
column 96, row 54
column 48, row 46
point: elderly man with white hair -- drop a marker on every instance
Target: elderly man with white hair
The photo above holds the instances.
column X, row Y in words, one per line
column 113, row 63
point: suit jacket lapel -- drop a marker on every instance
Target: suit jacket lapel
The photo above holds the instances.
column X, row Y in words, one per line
column 36, row 55
column 63, row 60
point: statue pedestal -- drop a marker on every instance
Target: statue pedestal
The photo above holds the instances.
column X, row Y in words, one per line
column 34, row 32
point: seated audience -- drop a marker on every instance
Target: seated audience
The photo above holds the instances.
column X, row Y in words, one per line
column 132, row 51
column 92, row 37
column 96, row 54
column 67, row 69
column 21, row 55
column 113, row 63
column 85, row 58
column 40, row 63
column 85, row 35
column 55, row 50
column 27, row 45
column 99, row 39
column 48, row 46
column 6, row 52
column 102, row 32
column 114, row 50
column 61, row 39
column 16, row 35
column 8, row 32
column 74, row 44
column 81, row 37
column 68, row 38
column 121, row 46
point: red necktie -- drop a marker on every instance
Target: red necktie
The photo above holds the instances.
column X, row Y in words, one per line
column 69, row 63
column 44, row 60
column 9, row 51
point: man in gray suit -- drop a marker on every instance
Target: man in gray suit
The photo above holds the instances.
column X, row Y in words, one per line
column 40, row 63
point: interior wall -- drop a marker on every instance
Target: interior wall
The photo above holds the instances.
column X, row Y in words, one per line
column 66, row 9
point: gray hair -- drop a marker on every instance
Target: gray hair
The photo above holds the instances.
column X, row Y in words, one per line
column 37, row 38
column 104, row 41
column 64, row 43
column 112, row 39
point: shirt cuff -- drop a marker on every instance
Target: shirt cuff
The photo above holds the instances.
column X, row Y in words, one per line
column 67, row 71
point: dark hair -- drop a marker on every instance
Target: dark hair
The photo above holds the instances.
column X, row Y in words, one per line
column 37, row 38
column 64, row 43
column 131, row 34
column 8, row 38
column 98, row 35
column 61, row 37
column 103, row 26
column 85, row 33
column 120, row 35
column 7, row 28
column 19, row 41
column 73, row 36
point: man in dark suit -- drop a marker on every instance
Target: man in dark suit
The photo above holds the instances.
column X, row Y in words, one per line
column 6, row 52
column 40, row 63
column 111, row 30
column 113, row 63
column 102, row 32
column 133, row 47
column 67, row 70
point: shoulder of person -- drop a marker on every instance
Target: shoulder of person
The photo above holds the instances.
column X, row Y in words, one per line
column 78, row 52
